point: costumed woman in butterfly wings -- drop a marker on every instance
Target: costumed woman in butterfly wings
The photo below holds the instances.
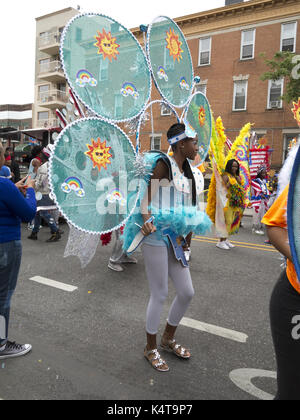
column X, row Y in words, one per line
column 159, row 259
column 226, row 197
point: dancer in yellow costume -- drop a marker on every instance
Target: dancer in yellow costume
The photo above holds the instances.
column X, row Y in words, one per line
column 227, row 197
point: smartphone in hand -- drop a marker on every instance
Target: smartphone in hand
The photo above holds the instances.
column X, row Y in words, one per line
column 27, row 179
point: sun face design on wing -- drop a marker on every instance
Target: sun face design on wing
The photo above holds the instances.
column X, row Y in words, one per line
column 202, row 116
column 296, row 111
column 174, row 45
column 107, row 45
column 99, row 154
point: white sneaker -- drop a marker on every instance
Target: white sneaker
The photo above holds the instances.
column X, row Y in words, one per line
column 222, row 245
column 14, row 350
column 187, row 255
column 115, row 267
column 259, row 232
column 229, row 244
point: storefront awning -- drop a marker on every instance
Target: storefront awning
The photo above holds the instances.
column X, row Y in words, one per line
column 10, row 135
column 39, row 133
column 36, row 133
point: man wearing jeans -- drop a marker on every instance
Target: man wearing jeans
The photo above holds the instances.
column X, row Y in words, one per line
column 45, row 203
column 14, row 208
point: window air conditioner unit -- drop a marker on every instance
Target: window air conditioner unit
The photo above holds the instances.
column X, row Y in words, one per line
column 275, row 104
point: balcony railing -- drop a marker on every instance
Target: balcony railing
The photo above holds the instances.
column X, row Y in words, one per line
column 52, row 98
column 50, row 123
column 49, row 39
column 51, row 67
column 51, row 71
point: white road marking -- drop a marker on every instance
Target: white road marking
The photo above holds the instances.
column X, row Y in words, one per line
column 53, row 283
column 212, row 329
column 242, row 379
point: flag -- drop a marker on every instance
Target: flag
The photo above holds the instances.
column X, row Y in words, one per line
column 256, row 189
column 229, row 143
column 258, row 158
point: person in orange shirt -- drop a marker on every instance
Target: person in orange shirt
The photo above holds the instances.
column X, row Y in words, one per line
column 285, row 306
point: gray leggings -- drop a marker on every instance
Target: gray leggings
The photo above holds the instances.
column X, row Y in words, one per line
column 160, row 263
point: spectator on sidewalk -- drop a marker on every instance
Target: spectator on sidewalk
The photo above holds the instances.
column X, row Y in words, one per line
column 14, row 208
column 13, row 165
column 36, row 161
column 5, row 172
column 45, row 203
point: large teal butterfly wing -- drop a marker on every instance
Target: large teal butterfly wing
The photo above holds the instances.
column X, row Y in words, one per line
column 92, row 175
column 294, row 214
column 170, row 61
column 105, row 67
column 198, row 118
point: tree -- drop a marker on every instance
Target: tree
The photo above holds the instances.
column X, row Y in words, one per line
column 285, row 65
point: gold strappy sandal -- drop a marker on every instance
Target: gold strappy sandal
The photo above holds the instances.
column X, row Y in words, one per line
column 156, row 361
column 177, row 349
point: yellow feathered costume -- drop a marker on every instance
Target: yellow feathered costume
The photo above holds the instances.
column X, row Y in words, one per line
column 225, row 207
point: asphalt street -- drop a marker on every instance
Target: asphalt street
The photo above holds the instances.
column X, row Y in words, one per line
column 88, row 343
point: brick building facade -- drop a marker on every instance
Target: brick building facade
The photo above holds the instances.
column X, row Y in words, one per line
column 226, row 46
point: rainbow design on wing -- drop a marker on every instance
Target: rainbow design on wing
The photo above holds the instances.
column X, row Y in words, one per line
column 84, row 77
column 184, row 84
column 129, row 89
column 162, row 74
column 116, row 196
column 73, row 184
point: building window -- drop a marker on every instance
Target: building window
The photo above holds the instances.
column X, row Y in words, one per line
column 288, row 139
column 155, row 142
column 42, row 116
column 202, row 87
column 43, row 93
column 240, row 96
column 44, row 88
column 44, row 65
column 288, row 37
column 44, row 35
column 204, row 51
column 61, row 87
column 275, row 93
column 248, row 44
column 165, row 110
column 103, row 70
